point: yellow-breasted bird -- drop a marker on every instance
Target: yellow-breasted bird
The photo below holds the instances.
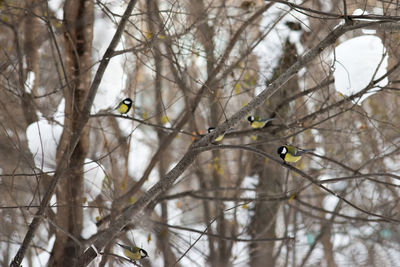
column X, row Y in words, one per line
column 221, row 136
column 256, row 122
column 125, row 106
column 291, row 153
column 133, row 253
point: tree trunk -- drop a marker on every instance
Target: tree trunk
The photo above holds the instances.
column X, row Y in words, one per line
column 270, row 175
column 78, row 24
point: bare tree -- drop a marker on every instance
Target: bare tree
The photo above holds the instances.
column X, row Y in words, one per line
column 164, row 183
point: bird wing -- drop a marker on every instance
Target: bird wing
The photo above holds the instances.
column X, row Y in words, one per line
column 303, row 151
column 292, row 150
column 131, row 252
column 268, row 120
column 295, row 151
column 132, row 255
column 132, row 249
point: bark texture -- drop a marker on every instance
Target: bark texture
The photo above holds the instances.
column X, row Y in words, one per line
column 78, row 36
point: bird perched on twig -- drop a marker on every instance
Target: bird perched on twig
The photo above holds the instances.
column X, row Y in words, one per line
column 124, row 106
column 133, row 253
column 291, row 153
column 256, row 122
column 221, row 136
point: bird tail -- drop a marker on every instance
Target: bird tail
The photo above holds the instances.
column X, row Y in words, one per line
column 308, row 150
column 268, row 120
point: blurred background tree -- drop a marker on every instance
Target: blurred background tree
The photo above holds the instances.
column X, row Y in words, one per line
column 71, row 179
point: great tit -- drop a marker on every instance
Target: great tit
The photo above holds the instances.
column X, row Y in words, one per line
column 256, row 122
column 125, row 106
column 134, row 253
column 291, row 153
column 221, row 136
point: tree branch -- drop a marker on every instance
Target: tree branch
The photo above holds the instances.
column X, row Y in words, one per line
column 84, row 117
column 133, row 213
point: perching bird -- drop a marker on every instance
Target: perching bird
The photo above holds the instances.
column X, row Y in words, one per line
column 219, row 138
column 291, row 153
column 256, row 122
column 124, row 106
column 134, row 253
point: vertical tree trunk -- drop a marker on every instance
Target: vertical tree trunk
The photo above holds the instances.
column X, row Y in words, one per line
column 78, row 24
column 221, row 257
column 270, row 175
column 163, row 236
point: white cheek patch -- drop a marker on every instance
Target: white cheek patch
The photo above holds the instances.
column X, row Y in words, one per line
column 127, row 102
column 284, row 150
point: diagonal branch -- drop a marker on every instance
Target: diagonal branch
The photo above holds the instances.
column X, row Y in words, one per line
column 185, row 117
column 133, row 213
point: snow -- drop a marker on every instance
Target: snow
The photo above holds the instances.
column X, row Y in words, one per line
column 43, row 138
column 53, row 202
column 269, row 50
column 43, row 256
column 355, row 64
column 140, row 155
column 109, row 93
column 93, row 179
column 30, row 81
column 56, row 7
column 329, row 203
column 356, row 61
column 359, row 12
column 89, row 223
column 9, row 132
column 335, row 186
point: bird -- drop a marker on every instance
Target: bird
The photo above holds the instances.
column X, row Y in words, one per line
column 124, row 106
column 219, row 138
column 291, row 153
column 256, row 122
column 134, row 253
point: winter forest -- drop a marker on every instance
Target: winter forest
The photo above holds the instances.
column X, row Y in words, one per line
column 156, row 124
